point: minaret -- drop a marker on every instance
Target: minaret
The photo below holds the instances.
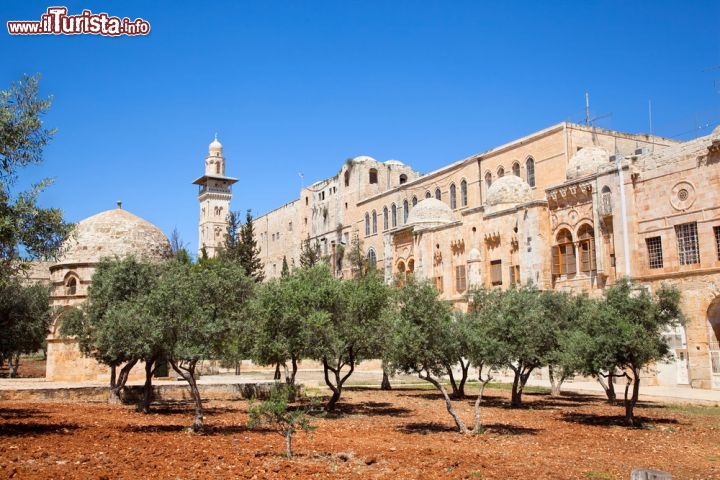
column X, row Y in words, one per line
column 214, row 195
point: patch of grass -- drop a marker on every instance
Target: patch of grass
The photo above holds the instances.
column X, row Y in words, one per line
column 527, row 389
column 696, row 410
column 597, row 475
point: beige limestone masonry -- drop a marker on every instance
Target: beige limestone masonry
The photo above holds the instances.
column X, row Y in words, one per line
column 576, row 217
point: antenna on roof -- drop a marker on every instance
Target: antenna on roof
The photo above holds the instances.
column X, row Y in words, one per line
column 587, row 108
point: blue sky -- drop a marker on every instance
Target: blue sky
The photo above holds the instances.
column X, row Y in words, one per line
column 299, row 86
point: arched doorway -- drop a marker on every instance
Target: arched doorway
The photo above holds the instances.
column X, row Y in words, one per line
column 713, row 333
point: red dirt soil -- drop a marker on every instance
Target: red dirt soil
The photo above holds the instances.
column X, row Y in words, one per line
column 401, row 434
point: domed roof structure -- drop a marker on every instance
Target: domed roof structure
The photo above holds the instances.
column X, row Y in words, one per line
column 114, row 232
column 215, row 144
column 394, row 163
column 474, row 255
column 363, row 158
column 429, row 213
column 587, row 162
column 509, row 189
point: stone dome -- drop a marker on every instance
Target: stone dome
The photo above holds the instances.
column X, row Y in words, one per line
column 215, row 144
column 114, row 232
column 587, row 162
column 509, row 189
column 474, row 255
column 396, row 163
column 429, row 213
column 363, row 158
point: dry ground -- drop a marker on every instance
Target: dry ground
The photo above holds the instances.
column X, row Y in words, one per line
column 399, row 434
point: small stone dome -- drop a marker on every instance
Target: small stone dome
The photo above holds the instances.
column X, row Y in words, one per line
column 474, row 255
column 114, row 232
column 363, row 158
column 429, row 213
column 395, row 163
column 509, row 189
column 587, row 162
column 215, row 144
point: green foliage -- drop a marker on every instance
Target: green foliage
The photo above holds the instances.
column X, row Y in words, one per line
column 275, row 413
column 285, row 268
column 25, row 316
column 356, row 258
column 26, row 230
column 309, row 253
column 625, row 331
column 519, row 328
column 112, row 327
column 423, row 331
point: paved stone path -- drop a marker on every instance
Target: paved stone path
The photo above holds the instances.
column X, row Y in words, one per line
column 313, row 378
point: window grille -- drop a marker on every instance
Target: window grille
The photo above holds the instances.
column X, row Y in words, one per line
column 687, row 240
column 654, row 250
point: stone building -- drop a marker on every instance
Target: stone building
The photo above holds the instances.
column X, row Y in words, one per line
column 570, row 207
column 111, row 233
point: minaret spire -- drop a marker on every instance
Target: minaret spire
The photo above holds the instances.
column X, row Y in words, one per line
column 214, row 194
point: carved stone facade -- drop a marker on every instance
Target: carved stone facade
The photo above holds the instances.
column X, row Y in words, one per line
column 570, row 207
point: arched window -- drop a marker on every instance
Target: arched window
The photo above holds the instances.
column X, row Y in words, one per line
column 501, row 171
column 347, row 178
column 373, row 175
column 428, row 195
column 453, row 196
column 414, row 201
column 586, row 246
column 516, row 169
column 403, row 179
column 367, row 224
column 393, row 210
column 71, row 285
column 385, row 218
column 406, row 211
column 563, row 254
column 488, row 179
column 530, row 168
column 438, row 195
column 374, row 222
column 605, row 201
column 372, row 259
column 463, row 193
column 400, row 276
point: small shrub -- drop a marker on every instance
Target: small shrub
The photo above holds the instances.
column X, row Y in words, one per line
column 275, row 413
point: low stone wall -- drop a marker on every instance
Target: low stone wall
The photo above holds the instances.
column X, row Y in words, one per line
column 133, row 393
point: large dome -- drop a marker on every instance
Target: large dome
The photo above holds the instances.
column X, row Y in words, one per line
column 430, row 213
column 114, row 233
column 587, row 162
column 509, row 189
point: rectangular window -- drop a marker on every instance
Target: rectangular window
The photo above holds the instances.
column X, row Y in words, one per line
column 496, row 272
column 716, row 230
column 563, row 259
column 587, row 256
column 514, row 274
column 687, row 241
column 439, row 283
column 654, row 250
column 460, row 279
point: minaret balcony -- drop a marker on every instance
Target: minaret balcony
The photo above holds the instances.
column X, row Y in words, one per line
column 227, row 189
